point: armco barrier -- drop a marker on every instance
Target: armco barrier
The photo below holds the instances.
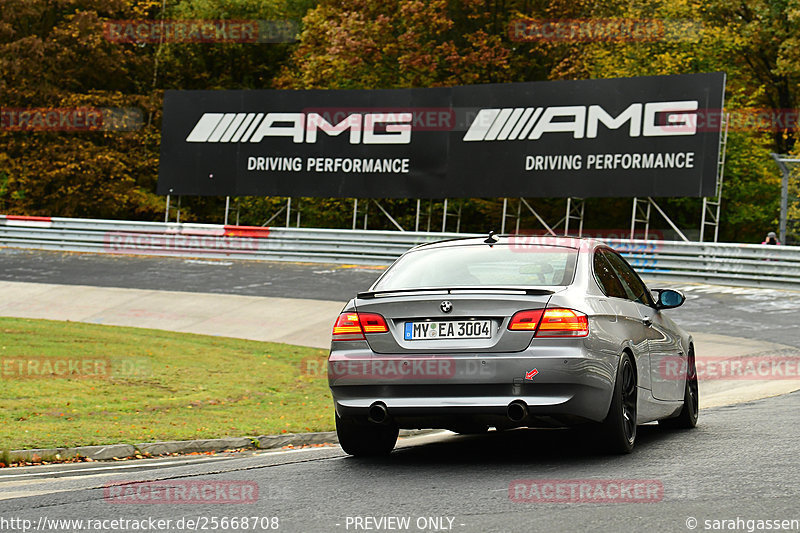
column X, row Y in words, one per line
column 210, row 240
column 739, row 264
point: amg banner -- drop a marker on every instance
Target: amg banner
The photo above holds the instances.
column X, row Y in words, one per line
column 650, row 136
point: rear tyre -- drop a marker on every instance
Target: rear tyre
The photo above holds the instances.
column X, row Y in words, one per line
column 687, row 419
column 366, row 439
column 619, row 427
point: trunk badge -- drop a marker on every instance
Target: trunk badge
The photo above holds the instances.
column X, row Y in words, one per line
column 446, row 306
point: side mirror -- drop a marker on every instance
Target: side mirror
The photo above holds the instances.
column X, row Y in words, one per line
column 668, row 298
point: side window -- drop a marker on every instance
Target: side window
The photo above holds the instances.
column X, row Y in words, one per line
column 606, row 277
column 635, row 289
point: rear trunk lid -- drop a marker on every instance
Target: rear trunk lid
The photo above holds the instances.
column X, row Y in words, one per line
column 476, row 319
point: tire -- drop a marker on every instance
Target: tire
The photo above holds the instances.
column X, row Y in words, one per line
column 366, row 439
column 687, row 418
column 619, row 427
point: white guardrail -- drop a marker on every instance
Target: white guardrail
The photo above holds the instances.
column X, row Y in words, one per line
column 738, row 264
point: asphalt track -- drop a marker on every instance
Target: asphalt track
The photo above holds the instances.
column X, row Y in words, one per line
column 248, row 278
column 740, row 463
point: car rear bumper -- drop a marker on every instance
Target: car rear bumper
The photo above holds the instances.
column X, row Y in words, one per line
column 570, row 385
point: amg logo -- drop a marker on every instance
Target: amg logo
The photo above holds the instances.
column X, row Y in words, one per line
column 508, row 124
column 369, row 128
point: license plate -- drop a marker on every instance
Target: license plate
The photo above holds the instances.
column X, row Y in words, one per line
column 452, row 329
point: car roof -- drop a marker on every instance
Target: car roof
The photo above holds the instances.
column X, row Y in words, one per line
column 516, row 240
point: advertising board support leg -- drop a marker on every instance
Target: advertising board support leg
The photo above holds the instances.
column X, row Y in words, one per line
column 178, row 220
column 416, row 220
column 355, row 212
column 457, row 214
column 237, row 211
column 646, row 220
column 575, row 210
column 288, row 211
column 386, row 213
column 273, row 217
column 430, row 214
column 506, row 215
column 227, row 208
column 523, row 201
column 640, row 211
column 505, row 211
column 166, row 210
column 669, row 220
column 711, row 206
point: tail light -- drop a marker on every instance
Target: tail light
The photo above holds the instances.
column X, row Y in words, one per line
column 352, row 326
column 555, row 322
column 563, row 323
column 526, row 320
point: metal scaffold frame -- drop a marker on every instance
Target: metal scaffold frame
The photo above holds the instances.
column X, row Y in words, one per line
column 645, row 212
column 286, row 208
column 575, row 210
column 712, row 206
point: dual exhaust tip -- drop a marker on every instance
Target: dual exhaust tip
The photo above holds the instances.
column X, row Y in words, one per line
column 517, row 411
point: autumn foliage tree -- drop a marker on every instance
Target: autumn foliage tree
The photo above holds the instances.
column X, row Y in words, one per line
column 54, row 54
column 368, row 44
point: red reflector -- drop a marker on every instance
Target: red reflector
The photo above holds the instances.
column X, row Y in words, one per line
column 373, row 323
column 563, row 323
column 352, row 326
column 525, row 320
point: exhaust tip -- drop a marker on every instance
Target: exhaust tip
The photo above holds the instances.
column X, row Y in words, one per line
column 517, row 411
column 378, row 413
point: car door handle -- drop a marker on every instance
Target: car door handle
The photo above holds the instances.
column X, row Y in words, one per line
column 647, row 322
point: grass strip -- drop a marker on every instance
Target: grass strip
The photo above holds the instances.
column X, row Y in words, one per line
column 68, row 384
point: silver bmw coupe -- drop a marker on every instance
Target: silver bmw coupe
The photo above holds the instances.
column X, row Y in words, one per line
column 506, row 332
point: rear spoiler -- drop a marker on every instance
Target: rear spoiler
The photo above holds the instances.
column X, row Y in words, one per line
column 457, row 290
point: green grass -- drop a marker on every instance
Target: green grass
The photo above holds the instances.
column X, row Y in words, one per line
column 150, row 385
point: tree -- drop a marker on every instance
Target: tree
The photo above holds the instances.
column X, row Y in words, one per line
column 55, row 55
column 368, row 44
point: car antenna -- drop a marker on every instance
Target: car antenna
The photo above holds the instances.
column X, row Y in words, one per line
column 492, row 238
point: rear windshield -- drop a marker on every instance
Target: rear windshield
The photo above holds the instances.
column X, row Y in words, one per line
column 481, row 265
